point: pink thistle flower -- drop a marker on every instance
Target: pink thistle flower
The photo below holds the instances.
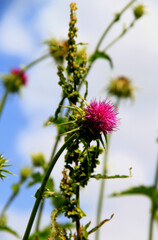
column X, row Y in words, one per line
column 101, row 117
column 22, row 75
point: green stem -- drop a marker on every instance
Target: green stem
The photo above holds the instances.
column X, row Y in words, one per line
column 119, row 36
column 41, row 189
column 39, row 215
column 102, row 188
column 3, row 101
column 116, row 18
column 153, row 211
column 8, row 203
column 35, row 62
column 78, row 221
column 42, row 204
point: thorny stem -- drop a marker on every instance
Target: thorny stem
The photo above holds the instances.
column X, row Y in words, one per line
column 41, row 189
column 152, row 210
column 3, row 101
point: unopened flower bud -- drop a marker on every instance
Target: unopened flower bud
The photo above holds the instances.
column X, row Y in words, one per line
column 25, row 173
column 38, row 160
column 58, row 49
column 121, row 87
column 139, row 11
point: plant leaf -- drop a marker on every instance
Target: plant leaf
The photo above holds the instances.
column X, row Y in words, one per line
column 9, row 230
column 103, row 55
column 100, row 224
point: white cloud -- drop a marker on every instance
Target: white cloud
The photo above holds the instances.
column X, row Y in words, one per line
column 15, row 39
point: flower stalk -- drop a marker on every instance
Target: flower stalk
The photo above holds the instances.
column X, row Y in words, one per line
column 41, row 189
column 3, row 101
column 152, row 208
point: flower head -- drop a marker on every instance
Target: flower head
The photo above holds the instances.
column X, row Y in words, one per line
column 121, row 87
column 101, row 117
column 15, row 80
column 22, row 75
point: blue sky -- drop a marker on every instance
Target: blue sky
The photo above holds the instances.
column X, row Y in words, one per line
column 23, row 27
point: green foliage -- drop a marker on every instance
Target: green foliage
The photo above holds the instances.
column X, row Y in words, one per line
column 5, row 228
column 151, row 192
column 9, row 230
column 41, row 235
column 100, row 176
column 102, row 55
column 3, row 165
column 38, row 177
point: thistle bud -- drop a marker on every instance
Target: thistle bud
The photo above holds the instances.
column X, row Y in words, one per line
column 139, row 11
column 25, row 173
column 38, row 160
column 57, row 49
column 121, row 87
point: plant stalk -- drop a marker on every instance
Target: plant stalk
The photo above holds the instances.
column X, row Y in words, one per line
column 41, row 189
column 39, row 215
column 3, row 101
column 102, row 187
column 152, row 211
column 43, row 201
column 78, row 221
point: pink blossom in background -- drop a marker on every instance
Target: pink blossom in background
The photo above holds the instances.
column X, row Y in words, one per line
column 22, row 75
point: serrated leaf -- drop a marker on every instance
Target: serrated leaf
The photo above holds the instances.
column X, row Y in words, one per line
column 103, row 55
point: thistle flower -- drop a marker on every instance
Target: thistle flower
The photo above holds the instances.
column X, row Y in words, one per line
column 96, row 118
column 14, row 80
column 22, row 75
column 101, row 117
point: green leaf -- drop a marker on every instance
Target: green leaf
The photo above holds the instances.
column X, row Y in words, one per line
column 103, row 55
column 9, row 230
column 3, row 164
column 42, row 235
column 100, row 224
column 100, row 176
column 36, row 178
column 150, row 192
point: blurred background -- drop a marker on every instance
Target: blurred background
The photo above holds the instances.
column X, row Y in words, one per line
column 24, row 25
